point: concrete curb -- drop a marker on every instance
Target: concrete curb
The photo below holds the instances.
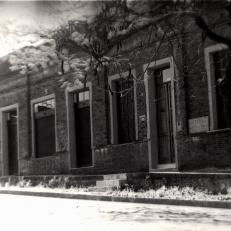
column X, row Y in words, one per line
column 196, row 203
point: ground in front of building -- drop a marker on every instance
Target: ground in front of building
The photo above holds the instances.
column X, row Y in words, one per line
column 38, row 213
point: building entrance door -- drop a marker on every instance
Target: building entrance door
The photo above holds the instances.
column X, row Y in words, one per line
column 163, row 101
column 12, row 142
column 82, row 129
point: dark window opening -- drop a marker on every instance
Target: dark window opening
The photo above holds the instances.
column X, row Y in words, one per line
column 123, row 99
column 44, row 124
column 221, row 62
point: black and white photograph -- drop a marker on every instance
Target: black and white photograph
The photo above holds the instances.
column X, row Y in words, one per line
column 115, row 115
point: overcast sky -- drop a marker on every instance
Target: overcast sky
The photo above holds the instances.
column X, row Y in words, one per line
column 22, row 22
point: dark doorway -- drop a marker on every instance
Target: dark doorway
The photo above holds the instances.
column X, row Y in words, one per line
column 164, row 116
column 82, row 128
column 12, row 142
column 44, row 126
column 221, row 61
column 124, row 109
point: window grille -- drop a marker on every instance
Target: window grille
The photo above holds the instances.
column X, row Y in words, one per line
column 221, row 62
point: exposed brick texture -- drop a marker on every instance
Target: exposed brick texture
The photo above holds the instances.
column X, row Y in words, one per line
column 107, row 158
column 201, row 150
column 131, row 157
column 208, row 149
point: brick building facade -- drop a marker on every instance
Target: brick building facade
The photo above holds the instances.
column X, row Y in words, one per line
column 168, row 120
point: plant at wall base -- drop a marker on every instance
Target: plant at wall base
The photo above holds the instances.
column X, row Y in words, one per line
column 24, row 183
column 147, row 183
column 53, row 183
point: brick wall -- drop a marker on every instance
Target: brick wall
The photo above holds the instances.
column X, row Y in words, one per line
column 16, row 92
column 131, row 157
column 208, row 149
column 211, row 149
column 107, row 158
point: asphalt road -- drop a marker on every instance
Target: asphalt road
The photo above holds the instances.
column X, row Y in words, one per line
column 24, row 213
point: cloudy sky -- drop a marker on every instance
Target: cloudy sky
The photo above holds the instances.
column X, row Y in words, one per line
column 22, row 22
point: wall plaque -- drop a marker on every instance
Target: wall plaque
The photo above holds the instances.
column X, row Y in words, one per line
column 200, row 124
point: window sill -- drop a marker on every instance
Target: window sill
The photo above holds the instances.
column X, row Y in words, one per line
column 79, row 168
column 43, row 157
column 210, row 132
column 128, row 143
column 219, row 130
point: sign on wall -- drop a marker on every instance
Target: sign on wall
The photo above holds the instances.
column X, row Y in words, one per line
column 200, row 124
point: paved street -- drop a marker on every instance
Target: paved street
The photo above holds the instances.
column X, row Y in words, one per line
column 37, row 213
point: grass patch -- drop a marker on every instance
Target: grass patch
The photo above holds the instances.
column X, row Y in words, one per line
column 163, row 192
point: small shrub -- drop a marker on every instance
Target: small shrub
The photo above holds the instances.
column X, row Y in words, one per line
column 7, row 184
column 128, row 188
column 229, row 190
column 115, row 188
column 161, row 191
column 24, row 183
column 224, row 189
column 53, row 183
column 21, row 183
column 29, row 183
column 67, row 183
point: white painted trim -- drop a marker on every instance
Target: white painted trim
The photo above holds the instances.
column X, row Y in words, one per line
column 158, row 64
column 166, row 166
column 208, row 52
column 114, row 135
column 174, row 119
column 70, row 133
column 38, row 100
column 150, row 149
column 70, row 126
column 151, row 128
column 135, row 110
column 4, row 139
column 147, row 106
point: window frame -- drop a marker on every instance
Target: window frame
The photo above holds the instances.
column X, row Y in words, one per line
column 113, row 117
column 152, row 136
column 210, row 70
column 4, row 139
column 35, row 101
column 69, row 91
